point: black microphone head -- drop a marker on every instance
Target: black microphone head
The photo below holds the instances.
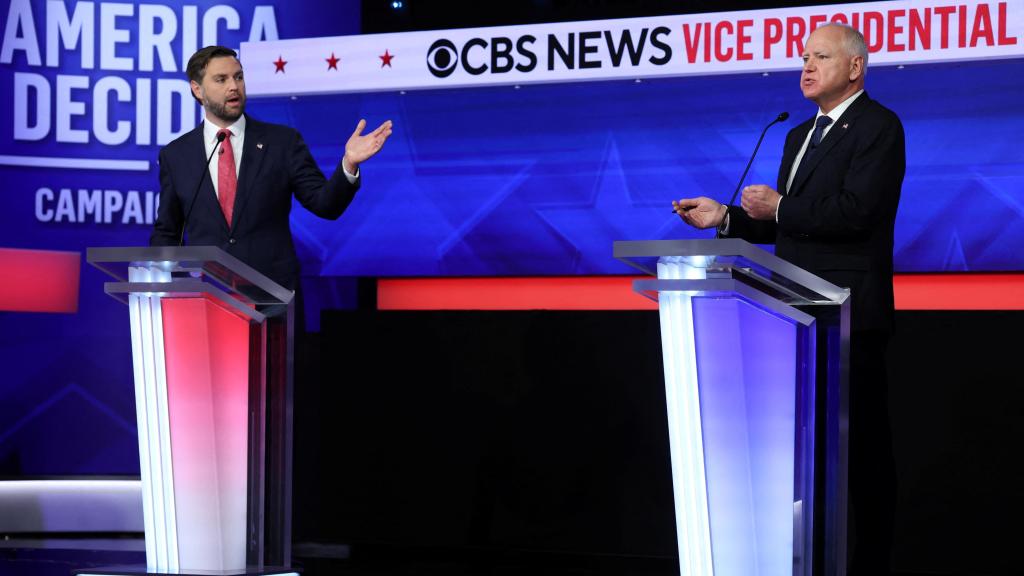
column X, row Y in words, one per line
column 782, row 117
column 222, row 135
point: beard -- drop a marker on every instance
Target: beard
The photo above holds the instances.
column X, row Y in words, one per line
column 220, row 109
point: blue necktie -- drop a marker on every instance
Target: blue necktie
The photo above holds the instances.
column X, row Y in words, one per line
column 819, row 130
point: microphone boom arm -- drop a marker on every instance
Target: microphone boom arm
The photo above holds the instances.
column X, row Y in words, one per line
column 195, row 194
column 780, row 118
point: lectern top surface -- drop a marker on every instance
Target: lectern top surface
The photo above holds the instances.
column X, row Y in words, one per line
column 733, row 258
column 204, row 263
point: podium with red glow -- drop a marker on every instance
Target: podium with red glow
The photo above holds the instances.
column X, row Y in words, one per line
column 212, row 356
column 755, row 356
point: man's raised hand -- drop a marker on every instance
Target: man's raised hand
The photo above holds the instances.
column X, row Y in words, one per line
column 361, row 147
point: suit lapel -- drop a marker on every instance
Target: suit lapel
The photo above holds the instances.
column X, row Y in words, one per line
column 790, row 151
column 252, row 161
column 835, row 134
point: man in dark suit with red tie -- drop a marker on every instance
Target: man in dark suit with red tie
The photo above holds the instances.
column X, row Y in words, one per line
column 833, row 213
column 243, row 203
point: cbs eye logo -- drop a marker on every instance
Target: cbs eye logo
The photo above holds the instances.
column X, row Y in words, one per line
column 442, row 58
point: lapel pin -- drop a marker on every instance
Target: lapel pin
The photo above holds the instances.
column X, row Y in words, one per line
column 845, row 126
column 259, row 145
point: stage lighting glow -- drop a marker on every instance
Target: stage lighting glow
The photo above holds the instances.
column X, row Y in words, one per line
column 151, row 411
column 685, row 435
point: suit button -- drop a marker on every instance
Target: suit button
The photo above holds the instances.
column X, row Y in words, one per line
column 231, row 241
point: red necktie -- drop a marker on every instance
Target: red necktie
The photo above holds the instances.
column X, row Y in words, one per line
column 227, row 180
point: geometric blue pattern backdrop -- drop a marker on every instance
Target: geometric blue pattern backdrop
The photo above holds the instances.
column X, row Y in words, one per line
column 539, row 180
column 542, row 179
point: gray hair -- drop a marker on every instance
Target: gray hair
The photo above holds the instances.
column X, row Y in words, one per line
column 853, row 41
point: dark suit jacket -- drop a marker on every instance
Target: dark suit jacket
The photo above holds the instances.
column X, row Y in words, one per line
column 838, row 218
column 276, row 163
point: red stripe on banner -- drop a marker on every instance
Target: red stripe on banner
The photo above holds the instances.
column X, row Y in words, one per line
column 959, row 291
column 550, row 293
column 913, row 292
column 39, row 280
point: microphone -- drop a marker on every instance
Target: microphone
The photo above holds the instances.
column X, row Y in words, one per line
column 195, row 194
column 780, row 118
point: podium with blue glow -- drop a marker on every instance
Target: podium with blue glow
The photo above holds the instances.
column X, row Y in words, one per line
column 212, row 355
column 756, row 367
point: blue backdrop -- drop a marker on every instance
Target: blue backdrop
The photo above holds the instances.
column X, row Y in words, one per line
column 543, row 178
column 66, row 398
column 539, row 180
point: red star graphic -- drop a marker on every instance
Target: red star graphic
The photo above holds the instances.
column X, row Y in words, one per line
column 332, row 62
column 280, row 65
column 385, row 60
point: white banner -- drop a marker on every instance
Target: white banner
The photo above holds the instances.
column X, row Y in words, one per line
column 902, row 32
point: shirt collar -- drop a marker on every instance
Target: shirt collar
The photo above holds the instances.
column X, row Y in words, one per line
column 838, row 111
column 210, row 129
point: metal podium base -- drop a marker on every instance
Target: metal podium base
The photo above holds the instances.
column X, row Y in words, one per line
column 142, row 571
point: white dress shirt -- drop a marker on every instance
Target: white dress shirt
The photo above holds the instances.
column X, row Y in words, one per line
column 834, row 114
column 210, row 131
column 237, row 130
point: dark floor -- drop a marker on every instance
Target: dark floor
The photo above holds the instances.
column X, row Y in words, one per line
column 61, row 557
column 26, row 561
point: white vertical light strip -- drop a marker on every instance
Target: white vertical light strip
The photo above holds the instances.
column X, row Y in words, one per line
column 156, row 478
column 138, row 363
column 685, row 434
column 154, row 443
column 160, row 372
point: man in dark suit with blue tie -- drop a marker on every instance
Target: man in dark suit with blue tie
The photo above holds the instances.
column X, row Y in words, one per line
column 243, row 203
column 840, row 182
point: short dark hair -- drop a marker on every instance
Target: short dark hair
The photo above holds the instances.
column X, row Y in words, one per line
column 196, row 68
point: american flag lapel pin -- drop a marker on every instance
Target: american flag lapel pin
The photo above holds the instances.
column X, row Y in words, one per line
column 259, row 145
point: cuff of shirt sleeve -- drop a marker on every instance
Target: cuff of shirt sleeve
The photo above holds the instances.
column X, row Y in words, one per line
column 351, row 177
column 777, row 206
column 723, row 228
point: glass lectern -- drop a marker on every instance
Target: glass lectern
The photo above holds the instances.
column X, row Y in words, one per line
column 755, row 356
column 212, row 354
